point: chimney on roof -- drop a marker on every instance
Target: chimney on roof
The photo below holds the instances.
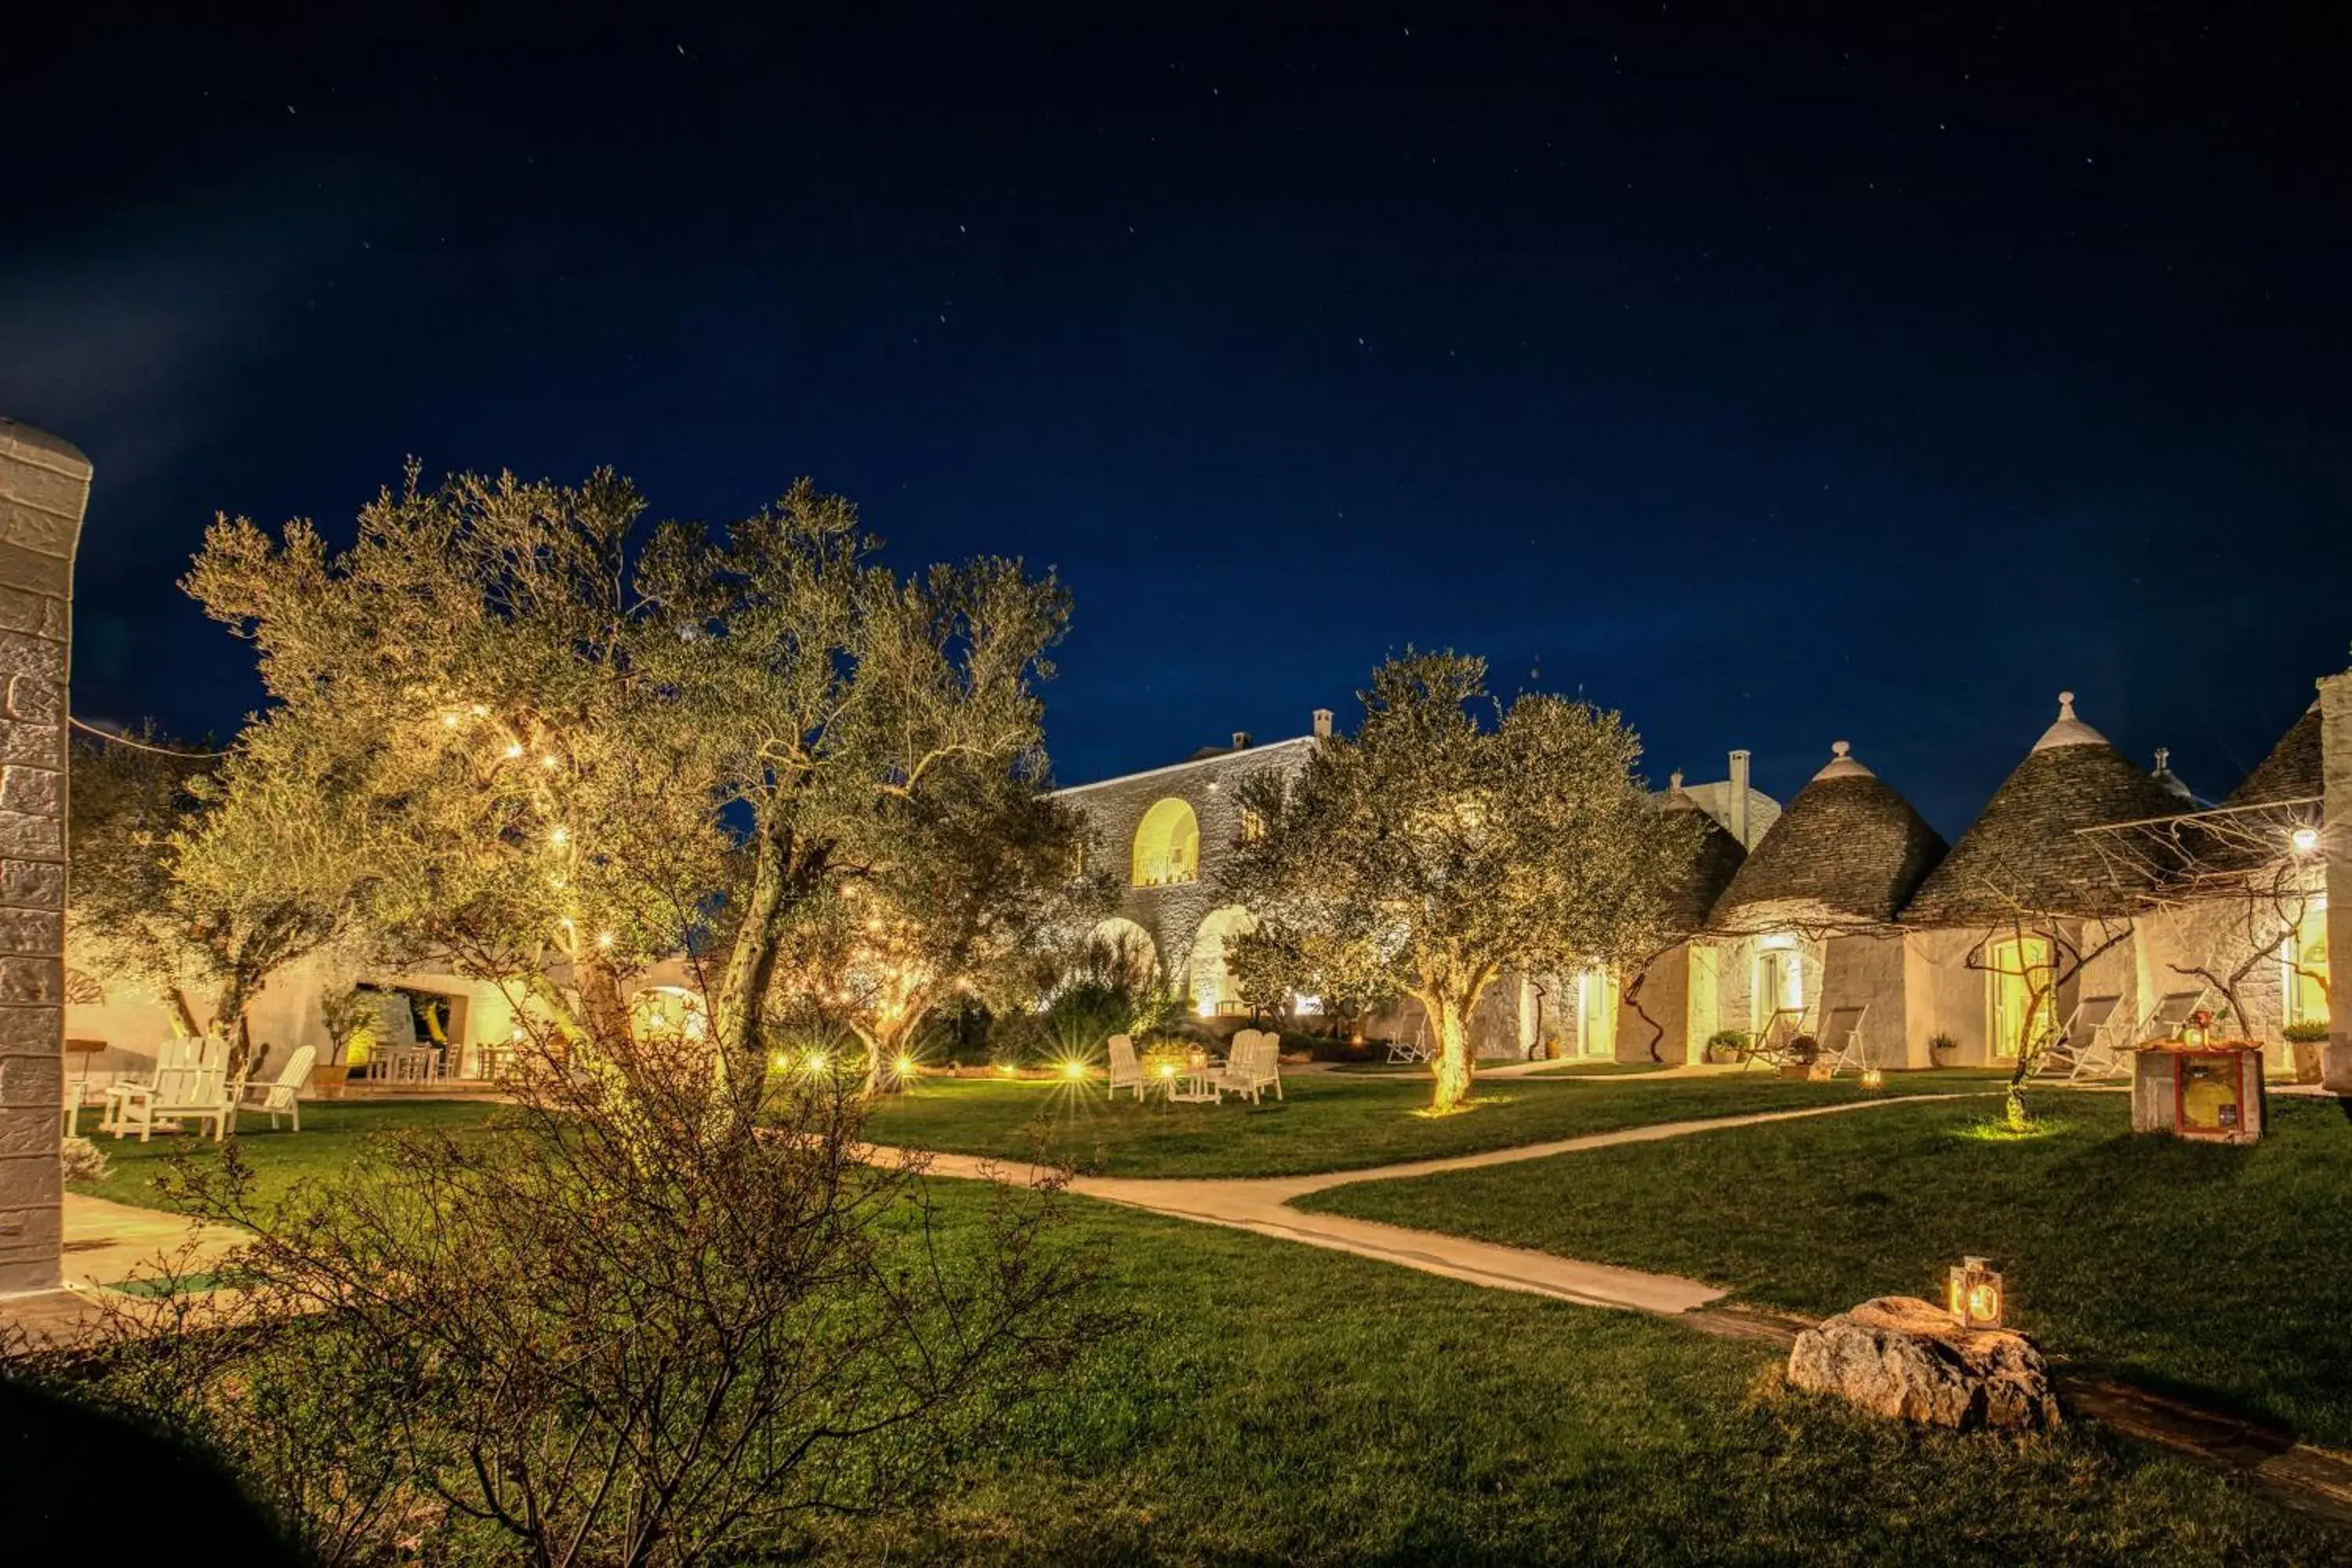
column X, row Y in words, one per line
column 1736, row 807
column 1241, row 740
column 1322, row 723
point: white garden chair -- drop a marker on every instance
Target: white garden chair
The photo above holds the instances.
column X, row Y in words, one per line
column 1253, row 1066
column 284, row 1097
column 1842, row 1040
column 181, row 1051
column 1126, row 1071
column 2086, row 1047
column 1410, row 1052
column 198, row 1094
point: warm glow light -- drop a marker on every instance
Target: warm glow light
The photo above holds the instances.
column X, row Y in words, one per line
column 781, row 1059
column 816, row 1061
column 448, row 720
column 514, row 748
column 480, row 710
column 1167, row 1070
column 1873, row 1079
column 1074, row 1070
column 603, row 939
column 1005, row 1069
column 1206, row 1006
column 904, row 1066
column 558, row 834
column 1975, row 1298
column 2305, row 839
column 548, row 761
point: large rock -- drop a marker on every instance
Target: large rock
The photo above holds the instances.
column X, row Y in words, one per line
column 1900, row 1356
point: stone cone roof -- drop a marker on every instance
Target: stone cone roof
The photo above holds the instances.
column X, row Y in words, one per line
column 2025, row 854
column 1715, row 859
column 2292, row 771
column 1847, row 850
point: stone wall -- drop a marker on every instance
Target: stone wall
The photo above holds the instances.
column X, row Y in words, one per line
column 1172, row 912
column 44, row 486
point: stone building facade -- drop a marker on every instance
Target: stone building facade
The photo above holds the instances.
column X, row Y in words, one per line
column 44, row 488
column 2088, row 896
column 1164, row 833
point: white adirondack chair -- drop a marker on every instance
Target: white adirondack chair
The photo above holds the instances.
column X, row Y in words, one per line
column 282, row 1098
column 199, row 1094
column 1842, row 1040
column 1253, row 1066
column 179, row 1051
column 1126, row 1071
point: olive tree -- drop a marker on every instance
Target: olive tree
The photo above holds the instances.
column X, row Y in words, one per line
column 1429, row 852
column 959, row 891
column 193, row 876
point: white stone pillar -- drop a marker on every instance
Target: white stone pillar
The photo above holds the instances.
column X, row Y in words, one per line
column 44, row 486
column 2335, row 754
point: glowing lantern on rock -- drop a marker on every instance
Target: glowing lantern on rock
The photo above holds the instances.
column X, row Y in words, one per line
column 1975, row 1296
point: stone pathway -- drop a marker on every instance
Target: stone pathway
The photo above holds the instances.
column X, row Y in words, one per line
column 106, row 1243
column 1261, row 1204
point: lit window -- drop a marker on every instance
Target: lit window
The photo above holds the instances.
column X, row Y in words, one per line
column 2305, row 955
column 1253, row 826
column 2019, row 1004
column 1168, row 846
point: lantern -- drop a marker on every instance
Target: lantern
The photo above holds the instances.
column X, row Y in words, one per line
column 1871, row 1078
column 2198, row 1030
column 1976, row 1297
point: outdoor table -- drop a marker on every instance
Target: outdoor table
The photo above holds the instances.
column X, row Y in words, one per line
column 1200, row 1085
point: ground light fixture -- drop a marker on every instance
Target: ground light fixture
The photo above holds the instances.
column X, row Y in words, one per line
column 1073, row 1069
column 1872, row 1077
column 2305, row 838
column 1975, row 1294
column 904, row 1066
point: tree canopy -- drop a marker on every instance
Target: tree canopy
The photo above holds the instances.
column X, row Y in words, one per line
column 1429, row 851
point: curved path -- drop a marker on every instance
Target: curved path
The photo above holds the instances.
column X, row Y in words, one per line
column 1261, row 1204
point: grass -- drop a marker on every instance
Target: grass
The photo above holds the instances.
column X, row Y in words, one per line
column 1271, row 1403
column 1327, row 1123
column 1267, row 1402
column 2217, row 1273
column 334, row 1133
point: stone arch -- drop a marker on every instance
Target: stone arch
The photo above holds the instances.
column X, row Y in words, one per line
column 1211, row 986
column 1168, row 844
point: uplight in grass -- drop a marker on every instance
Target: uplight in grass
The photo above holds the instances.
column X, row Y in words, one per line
column 2001, row 1131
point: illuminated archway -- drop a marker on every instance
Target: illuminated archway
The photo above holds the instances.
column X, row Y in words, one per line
column 1167, row 845
column 1213, row 987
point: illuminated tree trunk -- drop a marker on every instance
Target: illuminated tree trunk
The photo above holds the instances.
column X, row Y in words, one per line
column 1452, row 1064
column 784, row 873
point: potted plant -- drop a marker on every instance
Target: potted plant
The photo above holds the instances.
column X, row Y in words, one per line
column 1941, row 1047
column 2306, row 1040
column 1801, row 1058
column 1726, row 1046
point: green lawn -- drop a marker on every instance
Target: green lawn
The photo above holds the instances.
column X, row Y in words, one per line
column 1327, row 1123
column 334, row 1132
column 1280, row 1404
column 2217, row 1272
column 1268, row 1403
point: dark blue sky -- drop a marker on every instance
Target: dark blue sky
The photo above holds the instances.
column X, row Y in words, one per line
column 1858, row 376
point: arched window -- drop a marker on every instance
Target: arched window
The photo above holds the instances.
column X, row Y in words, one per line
column 1212, row 988
column 1168, row 846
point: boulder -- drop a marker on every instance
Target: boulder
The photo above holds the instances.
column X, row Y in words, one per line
column 1901, row 1357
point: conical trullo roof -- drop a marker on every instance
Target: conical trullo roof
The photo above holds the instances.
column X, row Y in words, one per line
column 2292, row 771
column 1846, row 851
column 2025, row 854
column 1715, row 858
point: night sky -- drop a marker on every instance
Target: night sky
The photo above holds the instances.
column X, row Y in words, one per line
column 1864, row 377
